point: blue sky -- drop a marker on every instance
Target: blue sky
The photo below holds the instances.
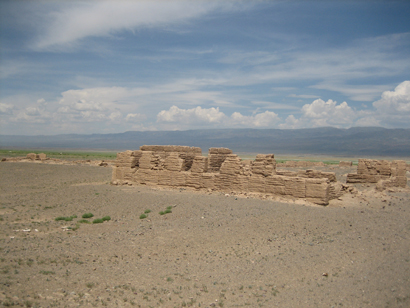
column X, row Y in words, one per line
column 113, row 66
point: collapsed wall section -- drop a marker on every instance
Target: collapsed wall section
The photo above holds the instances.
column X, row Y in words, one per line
column 382, row 172
column 176, row 166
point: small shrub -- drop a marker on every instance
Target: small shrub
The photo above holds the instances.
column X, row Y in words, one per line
column 83, row 221
column 60, row 218
column 98, row 221
column 161, row 213
column 169, row 207
column 47, row 272
column 167, row 211
column 68, row 218
column 147, row 211
column 88, row 215
column 142, row 216
column 106, row 218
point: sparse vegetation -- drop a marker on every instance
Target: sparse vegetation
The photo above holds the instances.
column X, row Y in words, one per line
column 87, row 215
column 98, row 221
column 167, row 211
column 106, row 218
column 69, row 218
column 143, row 216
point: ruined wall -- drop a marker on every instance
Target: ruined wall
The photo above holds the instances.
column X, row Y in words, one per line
column 34, row 156
column 383, row 172
column 177, row 166
column 345, row 164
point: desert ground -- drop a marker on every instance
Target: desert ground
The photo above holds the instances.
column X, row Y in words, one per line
column 211, row 250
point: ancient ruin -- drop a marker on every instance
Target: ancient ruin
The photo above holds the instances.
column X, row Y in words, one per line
column 221, row 170
column 383, row 172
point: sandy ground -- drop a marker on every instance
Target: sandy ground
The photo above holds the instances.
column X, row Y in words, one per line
column 211, row 251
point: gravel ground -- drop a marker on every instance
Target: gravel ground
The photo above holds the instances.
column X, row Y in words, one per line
column 212, row 250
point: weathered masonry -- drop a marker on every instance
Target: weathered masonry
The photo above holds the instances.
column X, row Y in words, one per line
column 382, row 172
column 183, row 166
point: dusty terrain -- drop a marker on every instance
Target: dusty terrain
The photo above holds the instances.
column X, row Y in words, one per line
column 213, row 250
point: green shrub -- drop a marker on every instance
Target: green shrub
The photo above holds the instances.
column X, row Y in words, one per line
column 142, row 216
column 98, row 221
column 60, row 218
column 88, row 215
column 106, row 218
column 83, row 221
column 161, row 213
column 147, row 211
column 168, row 211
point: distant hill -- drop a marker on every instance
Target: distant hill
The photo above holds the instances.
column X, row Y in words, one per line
column 372, row 141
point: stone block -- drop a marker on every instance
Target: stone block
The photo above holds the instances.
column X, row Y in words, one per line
column 31, row 156
column 147, row 176
column 295, row 187
column 399, row 168
column 41, row 156
column 194, row 180
column 223, row 182
column 208, row 180
column 317, row 191
column 286, row 173
column 199, row 164
column 173, row 162
column 362, row 178
column 179, row 178
column 257, row 183
column 164, row 177
column 275, row 185
column 232, row 165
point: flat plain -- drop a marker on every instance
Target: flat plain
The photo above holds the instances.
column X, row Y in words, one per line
column 210, row 250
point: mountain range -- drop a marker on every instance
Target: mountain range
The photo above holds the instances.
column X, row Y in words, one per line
column 370, row 141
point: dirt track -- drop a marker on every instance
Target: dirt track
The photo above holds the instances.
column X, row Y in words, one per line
column 211, row 251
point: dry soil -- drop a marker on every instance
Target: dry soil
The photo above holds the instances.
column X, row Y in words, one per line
column 212, row 250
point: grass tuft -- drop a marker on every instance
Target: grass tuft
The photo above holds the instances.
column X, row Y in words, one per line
column 88, row 215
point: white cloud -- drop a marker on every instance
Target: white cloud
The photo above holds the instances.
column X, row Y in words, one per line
column 395, row 102
column 212, row 118
column 265, row 119
column 6, row 108
column 194, row 116
column 320, row 113
column 394, row 106
column 135, row 117
column 290, row 123
column 75, row 21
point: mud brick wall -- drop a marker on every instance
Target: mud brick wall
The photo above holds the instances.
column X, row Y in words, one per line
column 34, row 156
column 345, row 164
column 389, row 174
column 178, row 166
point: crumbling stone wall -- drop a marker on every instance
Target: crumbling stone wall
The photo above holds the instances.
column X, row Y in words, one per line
column 345, row 163
column 34, row 156
column 177, row 166
column 382, row 172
